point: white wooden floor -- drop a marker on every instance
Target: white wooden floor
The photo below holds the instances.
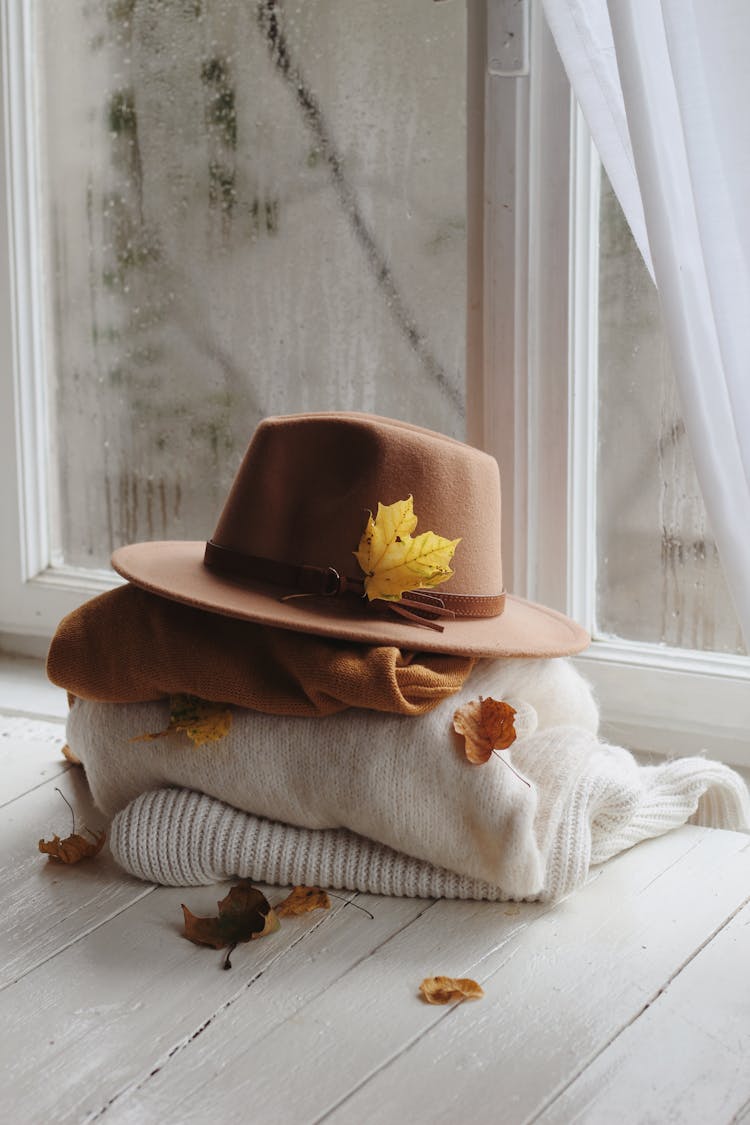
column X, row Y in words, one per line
column 628, row 1002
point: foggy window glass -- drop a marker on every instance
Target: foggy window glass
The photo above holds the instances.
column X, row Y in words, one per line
column 659, row 574
column 249, row 208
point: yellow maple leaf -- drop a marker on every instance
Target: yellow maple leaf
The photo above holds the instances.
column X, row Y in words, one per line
column 201, row 720
column 393, row 561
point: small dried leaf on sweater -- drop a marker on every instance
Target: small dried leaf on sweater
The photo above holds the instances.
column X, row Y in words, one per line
column 486, row 725
column 393, row 562
column 201, row 720
column 73, row 848
column 302, row 900
column 244, row 914
column 445, row 990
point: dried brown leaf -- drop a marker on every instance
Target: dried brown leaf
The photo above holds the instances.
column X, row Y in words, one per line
column 445, row 990
column 302, row 900
column 244, row 914
column 202, row 931
column 486, row 725
column 73, row 848
column 68, row 753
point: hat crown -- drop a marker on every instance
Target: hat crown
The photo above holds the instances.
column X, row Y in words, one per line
column 307, row 483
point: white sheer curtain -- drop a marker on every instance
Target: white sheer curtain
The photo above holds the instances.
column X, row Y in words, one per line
column 665, row 88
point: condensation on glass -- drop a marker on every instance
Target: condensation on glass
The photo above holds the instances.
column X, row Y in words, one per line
column 659, row 574
column 249, row 208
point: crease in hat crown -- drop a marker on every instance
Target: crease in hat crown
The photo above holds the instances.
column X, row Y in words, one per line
column 301, row 499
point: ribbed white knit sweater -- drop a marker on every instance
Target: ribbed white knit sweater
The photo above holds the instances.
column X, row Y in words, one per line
column 388, row 804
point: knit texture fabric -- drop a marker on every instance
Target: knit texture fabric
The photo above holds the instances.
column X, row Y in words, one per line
column 403, row 782
column 129, row 646
column 390, row 805
column 182, row 838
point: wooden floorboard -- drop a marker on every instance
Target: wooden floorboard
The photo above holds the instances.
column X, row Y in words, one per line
column 626, row 1002
column 47, row 907
column 687, row 1055
column 29, row 755
column 558, row 995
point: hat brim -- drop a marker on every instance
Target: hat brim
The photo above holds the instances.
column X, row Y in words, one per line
column 175, row 570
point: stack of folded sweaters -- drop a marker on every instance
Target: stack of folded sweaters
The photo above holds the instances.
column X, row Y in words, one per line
column 340, row 765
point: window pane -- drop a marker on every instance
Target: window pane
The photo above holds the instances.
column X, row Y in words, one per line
column 660, row 578
column 250, row 208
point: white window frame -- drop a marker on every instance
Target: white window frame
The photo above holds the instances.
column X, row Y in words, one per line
column 533, row 380
column 531, row 376
column 34, row 592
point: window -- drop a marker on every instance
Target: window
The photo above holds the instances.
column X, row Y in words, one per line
column 660, row 578
column 218, row 211
column 310, row 158
column 667, row 659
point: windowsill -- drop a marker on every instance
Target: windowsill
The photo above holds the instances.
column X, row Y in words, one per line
column 25, row 689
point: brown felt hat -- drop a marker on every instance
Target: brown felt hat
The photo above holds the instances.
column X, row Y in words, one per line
column 283, row 551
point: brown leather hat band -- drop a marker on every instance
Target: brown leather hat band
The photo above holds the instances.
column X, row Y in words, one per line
column 304, row 579
column 326, row 581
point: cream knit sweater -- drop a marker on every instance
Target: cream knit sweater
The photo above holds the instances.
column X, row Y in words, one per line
column 387, row 803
